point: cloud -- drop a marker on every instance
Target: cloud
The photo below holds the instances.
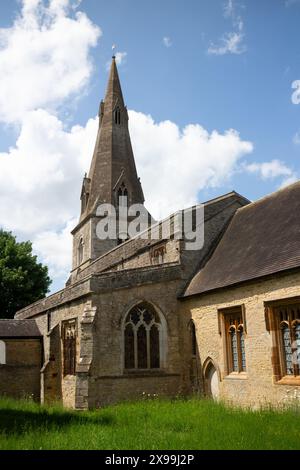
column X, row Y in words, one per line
column 41, row 175
column 273, row 169
column 289, row 3
column 296, row 94
column 40, row 178
column 167, row 41
column 40, row 182
column 175, row 164
column 48, row 43
column 120, row 59
column 55, row 248
column 231, row 42
column 296, row 138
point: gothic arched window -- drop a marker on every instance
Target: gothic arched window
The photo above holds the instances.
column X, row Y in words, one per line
column 143, row 332
column 2, row 352
column 69, row 334
column 235, row 343
column 80, row 251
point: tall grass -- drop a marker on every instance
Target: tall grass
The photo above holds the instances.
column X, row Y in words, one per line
column 154, row 424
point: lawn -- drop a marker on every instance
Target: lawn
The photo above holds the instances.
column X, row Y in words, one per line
column 150, row 424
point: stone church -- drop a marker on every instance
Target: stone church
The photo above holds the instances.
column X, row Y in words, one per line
column 145, row 315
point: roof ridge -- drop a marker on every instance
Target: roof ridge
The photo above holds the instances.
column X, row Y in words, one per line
column 269, row 196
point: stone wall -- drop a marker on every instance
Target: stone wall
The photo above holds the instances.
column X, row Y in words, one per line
column 20, row 376
column 107, row 369
column 256, row 386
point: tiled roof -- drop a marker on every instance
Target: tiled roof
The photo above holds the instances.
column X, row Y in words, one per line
column 263, row 238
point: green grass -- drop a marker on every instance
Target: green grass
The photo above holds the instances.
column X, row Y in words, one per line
column 150, row 424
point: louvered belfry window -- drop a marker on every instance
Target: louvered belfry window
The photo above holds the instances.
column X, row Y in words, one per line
column 69, row 332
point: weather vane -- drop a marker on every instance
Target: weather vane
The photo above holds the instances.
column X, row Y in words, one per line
column 114, row 47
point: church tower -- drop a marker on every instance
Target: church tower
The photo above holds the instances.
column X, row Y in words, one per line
column 112, row 177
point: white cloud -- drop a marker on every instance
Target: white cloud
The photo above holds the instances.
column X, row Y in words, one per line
column 176, row 164
column 273, row 169
column 289, row 180
column 289, row 3
column 41, row 175
column 296, row 94
column 55, row 247
column 167, row 41
column 231, row 42
column 296, row 138
column 120, row 59
column 44, row 60
column 48, row 44
column 40, row 178
column 229, row 9
column 40, row 182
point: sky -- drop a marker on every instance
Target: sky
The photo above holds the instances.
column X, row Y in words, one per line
column 212, row 88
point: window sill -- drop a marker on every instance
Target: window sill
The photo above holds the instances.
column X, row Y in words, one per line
column 144, row 372
column 289, row 380
column 236, row 376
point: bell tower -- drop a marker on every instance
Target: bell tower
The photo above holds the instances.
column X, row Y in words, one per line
column 112, row 178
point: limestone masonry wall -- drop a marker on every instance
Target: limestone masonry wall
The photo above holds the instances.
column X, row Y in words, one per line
column 20, row 376
column 257, row 385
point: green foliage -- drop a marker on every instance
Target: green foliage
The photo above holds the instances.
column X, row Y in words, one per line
column 147, row 425
column 22, row 279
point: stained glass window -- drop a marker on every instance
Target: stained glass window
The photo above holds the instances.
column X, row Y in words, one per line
column 297, row 345
column 235, row 354
column 234, row 350
column 242, row 343
column 288, row 353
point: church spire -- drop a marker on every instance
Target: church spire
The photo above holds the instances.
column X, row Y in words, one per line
column 113, row 161
column 113, row 171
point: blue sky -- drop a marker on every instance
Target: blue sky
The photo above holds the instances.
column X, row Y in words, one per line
column 218, row 64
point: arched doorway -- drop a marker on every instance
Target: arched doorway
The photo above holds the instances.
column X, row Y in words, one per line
column 211, row 378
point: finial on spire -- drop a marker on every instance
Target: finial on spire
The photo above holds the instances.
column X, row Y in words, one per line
column 114, row 47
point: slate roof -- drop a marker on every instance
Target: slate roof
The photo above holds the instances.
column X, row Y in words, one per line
column 19, row 329
column 263, row 238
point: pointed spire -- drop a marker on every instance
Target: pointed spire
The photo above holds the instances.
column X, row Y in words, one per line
column 113, row 158
column 114, row 95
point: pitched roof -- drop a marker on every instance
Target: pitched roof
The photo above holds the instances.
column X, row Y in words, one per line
column 263, row 238
column 19, row 329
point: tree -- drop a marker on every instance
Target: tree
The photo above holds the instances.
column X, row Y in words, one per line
column 22, row 279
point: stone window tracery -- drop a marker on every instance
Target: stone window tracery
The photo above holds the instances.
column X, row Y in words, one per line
column 69, row 336
column 233, row 327
column 142, row 338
